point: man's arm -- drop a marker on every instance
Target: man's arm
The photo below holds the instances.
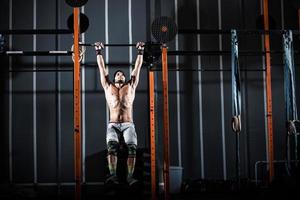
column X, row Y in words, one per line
column 101, row 65
column 138, row 63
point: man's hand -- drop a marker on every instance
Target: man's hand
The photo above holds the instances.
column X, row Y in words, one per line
column 103, row 73
column 99, row 46
column 140, row 45
column 140, row 48
column 138, row 63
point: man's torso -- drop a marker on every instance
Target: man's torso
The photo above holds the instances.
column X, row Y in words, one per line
column 120, row 102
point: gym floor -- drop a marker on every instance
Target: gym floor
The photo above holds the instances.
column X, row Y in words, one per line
column 286, row 190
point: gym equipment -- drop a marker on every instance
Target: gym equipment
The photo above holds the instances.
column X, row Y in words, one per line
column 84, row 23
column 76, row 3
column 290, row 97
column 77, row 106
column 164, row 30
column 236, row 99
column 268, row 91
column 152, row 53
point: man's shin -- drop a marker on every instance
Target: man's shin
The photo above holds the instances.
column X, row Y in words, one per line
column 131, row 159
column 112, row 148
column 112, row 164
column 130, row 165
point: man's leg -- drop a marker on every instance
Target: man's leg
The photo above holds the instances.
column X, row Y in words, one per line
column 131, row 160
column 112, row 159
column 130, row 138
column 112, row 149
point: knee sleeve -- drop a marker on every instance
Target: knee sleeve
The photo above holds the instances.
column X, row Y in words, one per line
column 112, row 148
column 131, row 150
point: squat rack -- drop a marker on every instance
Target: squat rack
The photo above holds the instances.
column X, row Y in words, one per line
column 151, row 81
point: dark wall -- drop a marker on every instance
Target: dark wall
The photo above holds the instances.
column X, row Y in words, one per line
column 40, row 136
column 4, row 175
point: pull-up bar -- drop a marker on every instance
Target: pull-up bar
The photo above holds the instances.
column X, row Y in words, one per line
column 170, row 53
column 207, row 70
column 110, row 45
column 243, row 32
column 35, row 31
column 36, row 53
column 217, row 53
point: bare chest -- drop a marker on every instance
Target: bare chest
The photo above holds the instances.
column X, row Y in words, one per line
column 123, row 94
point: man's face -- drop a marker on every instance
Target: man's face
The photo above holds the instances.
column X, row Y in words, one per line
column 119, row 77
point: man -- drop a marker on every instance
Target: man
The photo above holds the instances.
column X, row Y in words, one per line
column 120, row 96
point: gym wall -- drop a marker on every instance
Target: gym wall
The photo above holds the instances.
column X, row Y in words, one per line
column 37, row 107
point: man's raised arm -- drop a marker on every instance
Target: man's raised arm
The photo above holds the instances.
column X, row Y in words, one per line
column 101, row 65
column 138, row 63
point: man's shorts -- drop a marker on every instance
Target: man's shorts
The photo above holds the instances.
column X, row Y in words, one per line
column 116, row 130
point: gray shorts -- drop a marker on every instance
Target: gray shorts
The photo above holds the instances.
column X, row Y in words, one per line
column 117, row 130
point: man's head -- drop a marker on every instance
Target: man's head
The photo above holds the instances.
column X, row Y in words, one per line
column 119, row 77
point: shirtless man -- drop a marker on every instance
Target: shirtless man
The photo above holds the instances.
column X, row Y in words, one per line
column 120, row 96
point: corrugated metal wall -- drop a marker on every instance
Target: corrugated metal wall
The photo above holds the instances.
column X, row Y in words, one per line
column 37, row 111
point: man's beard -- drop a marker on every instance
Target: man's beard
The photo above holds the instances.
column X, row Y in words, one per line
column 120, row 81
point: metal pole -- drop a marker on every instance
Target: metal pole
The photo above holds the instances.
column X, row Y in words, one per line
column 208, row 70
column 240, row 32
column 269, row 91
column 166, row 122
column 111, row 45
column 35, row 31
column 57, row 101
column 36, row 53
column 152, row 134
column 170, row 53
column 77, row 108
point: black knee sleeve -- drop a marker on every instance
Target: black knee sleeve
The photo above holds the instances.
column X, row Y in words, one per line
column 112, row 148
column 131, row 150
